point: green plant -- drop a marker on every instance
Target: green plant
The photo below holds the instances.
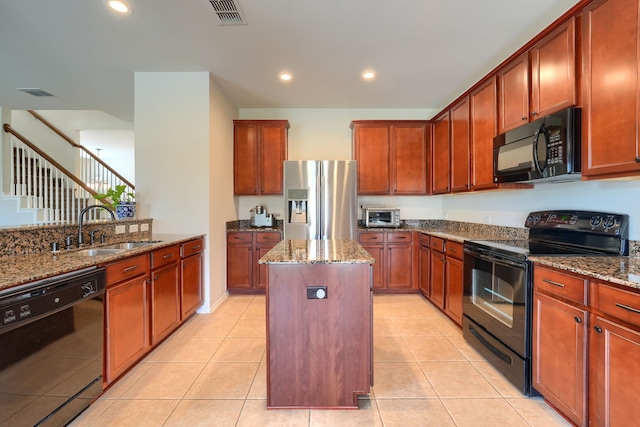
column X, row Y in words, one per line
column 116, row 196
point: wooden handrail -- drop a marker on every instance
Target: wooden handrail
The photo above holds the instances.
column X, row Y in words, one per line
column 9, row 129
column 81, row 147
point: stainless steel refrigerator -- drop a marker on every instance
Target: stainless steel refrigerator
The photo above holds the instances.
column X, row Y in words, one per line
column 320, row 199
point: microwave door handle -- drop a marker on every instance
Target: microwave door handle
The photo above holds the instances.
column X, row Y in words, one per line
column 536, row 161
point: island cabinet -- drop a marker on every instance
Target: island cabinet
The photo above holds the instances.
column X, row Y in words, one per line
column 441, row 154
column 191, row 263
column 244, row 249
column 259, row 148
column 610, row 119
column 483, row 103
column 560, row 341
column 165, row 292
column 392, row 156
column 393, row 252
column 127, row 314
column 424, row 263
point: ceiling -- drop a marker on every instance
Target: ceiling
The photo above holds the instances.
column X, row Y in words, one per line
column 425, row 52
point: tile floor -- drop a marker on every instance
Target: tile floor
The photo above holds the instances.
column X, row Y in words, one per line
column 212, row 372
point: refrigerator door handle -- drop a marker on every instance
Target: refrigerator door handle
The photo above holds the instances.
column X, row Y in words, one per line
column 320, row 207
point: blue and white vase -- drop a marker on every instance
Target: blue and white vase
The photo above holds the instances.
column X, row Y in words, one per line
column 126, row 210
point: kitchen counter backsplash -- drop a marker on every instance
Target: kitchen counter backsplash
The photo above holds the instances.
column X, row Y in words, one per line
column 245, row 225
column 38, row 238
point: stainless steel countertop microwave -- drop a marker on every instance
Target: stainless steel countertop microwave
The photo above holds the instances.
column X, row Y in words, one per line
column 381, row 217
column 545, row 149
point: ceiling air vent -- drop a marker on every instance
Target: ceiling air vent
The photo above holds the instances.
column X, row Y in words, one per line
column 34, row 91
column 228, row 12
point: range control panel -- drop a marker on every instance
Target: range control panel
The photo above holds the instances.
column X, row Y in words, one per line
column 598, row 222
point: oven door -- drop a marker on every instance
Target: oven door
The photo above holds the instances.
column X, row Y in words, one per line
column 497, row 297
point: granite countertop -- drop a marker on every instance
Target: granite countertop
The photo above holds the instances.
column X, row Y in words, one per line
column 21, row 269
column 245, row 225
column 317, row 252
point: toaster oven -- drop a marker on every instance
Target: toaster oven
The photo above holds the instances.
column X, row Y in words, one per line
column 381, row 217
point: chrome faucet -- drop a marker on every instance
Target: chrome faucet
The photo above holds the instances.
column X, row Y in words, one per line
column 82, row 212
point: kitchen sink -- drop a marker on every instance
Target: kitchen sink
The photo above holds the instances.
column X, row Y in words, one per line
column 128, row 245
column 98, row 251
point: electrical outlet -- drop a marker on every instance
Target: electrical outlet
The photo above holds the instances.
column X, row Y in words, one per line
column 144, row 227
column 121, row 229
column 486, row 219
column 133, row 228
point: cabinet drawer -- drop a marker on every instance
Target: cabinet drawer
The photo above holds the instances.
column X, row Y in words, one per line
column 560, row 284
column 615, row 302
column 437, row 244
column 241, row 237
column 423, row 239
column 126, row 269
column 267, row 237
column 454, row 250
column 191, row 247
column 399, row 237
column 164, row 256
column 371, row 237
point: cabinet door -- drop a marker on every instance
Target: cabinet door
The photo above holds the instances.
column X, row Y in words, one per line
column 377, row 252
column 513, row 94
column 424, row 271
column 409, row 153
column 559, row 355
column 372, row 150
column 127, row 325
column 272, row 154
column 399, row 266
column 484, row 127
column 610, row 89
column 245, row 158
column 165, row 302
column 261, row 269
column 615, row 368
column 460, row 151
column 440, row 155
column 239, row 266
column 190, row 285
column 553, row 72
column 454, row 290
column 436, row 280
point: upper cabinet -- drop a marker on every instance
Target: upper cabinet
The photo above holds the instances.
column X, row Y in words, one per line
column 552, row 64
column 392, row 156
column 259, row 150
column 460, row 149
column 610, row 121
column 440, row 153
column 484, row 127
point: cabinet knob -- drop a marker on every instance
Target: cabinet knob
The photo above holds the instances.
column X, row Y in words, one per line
column 637, row 159
column 534, row 113
column 524, row 117
column 578, row 319
column 598, row 329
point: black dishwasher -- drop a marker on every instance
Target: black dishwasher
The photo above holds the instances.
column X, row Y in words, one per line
column 51, row 348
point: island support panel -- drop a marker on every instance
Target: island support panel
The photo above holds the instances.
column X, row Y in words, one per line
column 319, row 351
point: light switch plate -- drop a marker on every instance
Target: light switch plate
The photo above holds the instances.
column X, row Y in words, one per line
column 133, row 228
column 120, row 229
column 144, row 227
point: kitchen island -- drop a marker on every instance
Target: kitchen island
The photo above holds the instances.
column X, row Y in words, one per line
column 319, row 324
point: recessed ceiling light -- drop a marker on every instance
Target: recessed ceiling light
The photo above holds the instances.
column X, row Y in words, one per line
column 120, row 7
column 368, row 75
column 285, row 76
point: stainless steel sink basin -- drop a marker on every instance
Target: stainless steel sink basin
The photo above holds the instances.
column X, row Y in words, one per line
column 127, row 245
column 98, row 251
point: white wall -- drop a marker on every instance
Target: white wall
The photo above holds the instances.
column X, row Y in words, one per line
column 117, row 149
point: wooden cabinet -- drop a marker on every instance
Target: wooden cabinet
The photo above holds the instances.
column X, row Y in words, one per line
column 259, row 148
column 615, row 356
column 437, row 272
column 191, row 263
column 454, row 284
column 127, row 314
column 165, row 292
column 424, row 263
column 484, row 127
column 560, row 341
column 393, row 252
column 460, row 146
column 610, row 115
column 244, row 249
column 440, row 155
column 392, row 156
column 513, row 94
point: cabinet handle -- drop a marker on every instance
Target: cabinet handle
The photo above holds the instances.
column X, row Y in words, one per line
column 128, row 269
column 534, row 114
column 626, row 307
column 578, row 320
column 167, row 256
column 148, row 281
column 452, row 250
column 524, row 117
column 156, row 277
column 551, row 282
column 598, row 329
column 196, row 247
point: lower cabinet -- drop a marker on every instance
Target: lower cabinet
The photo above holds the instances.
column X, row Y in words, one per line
column 393, row 253
column 191, row 261
column 424, row 263
column 446, row 275
column 244, row 249
column 437, row 273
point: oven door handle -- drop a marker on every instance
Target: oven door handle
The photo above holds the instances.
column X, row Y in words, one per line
column 499, row 260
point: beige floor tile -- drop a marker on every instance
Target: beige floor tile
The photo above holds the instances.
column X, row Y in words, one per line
column 400, row 380
column 206, row 413
column 192, row 349
column 435, row 348
column 497, row 380
column 259, row 385
column 92, row 413
column 223, row 381
column 164, row 381
column 537, row 413
column 397, row 311
column 384, row 328
column 211, row 326
column 463, row 347
column 391, row 349
column 457, row 379
column 241, row 349
column 249, row 328
column 446, row 326
column 255, row 311
column 127, row 380
column 416, row 327
column 255, row 413
column 136, row 413
column 367, row 414
column 483, row 413
column 414, row 413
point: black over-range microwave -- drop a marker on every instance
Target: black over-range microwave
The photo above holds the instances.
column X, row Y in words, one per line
column 547, row 149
